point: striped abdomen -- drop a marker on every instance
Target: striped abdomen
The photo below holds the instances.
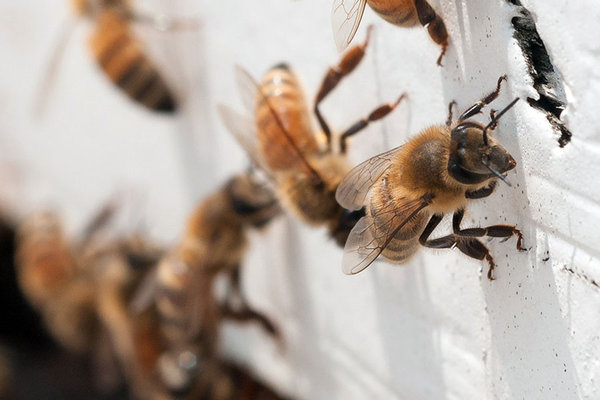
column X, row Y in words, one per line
column 405, row 242
column 397, row 12
column 123, row 60
column 286, row 98
column 184, row 300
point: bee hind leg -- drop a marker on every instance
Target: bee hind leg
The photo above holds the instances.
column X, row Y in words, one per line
column 435, row 25
column 334, row 75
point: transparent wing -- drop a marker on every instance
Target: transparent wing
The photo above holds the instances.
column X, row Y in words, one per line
column 367, row 241
column 47, row 84
column 243, row 130
column 248, row 89
column 352, row 191
column 345, row 19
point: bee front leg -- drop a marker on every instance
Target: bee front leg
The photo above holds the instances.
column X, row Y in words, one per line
column 481, row 193
column 476, row 108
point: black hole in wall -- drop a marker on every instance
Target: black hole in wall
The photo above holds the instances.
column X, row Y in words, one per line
column 546, row 80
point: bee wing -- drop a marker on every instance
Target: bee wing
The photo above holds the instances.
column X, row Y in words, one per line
column 345, row 19
column 248, row 89
column 366, row 241
column 352, row 191
column 52, row 69
column 251, row 93
column 243, row 129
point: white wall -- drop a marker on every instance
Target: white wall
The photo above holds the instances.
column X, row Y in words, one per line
column 435, row 328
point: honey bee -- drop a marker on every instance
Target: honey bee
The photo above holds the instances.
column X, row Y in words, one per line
column 214, row 243
column 50, row 278
column 134, row 336
column 346, row 16
column 281, row 140
column 119, row 53
column 407, row 190
column 121, row 56
column 83, row 289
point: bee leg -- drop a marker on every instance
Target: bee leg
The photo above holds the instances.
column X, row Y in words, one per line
column 375, row 115
column 500, row 231
column 468, row 245
column 247, row 314
column 449, row 120
column 444, row 242
column 481, row 193
column 476, row 108
column 435, row 25
column 475, row 249
column 334, row 75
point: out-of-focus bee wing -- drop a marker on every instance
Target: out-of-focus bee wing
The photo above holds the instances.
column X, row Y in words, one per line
column 345, row 19
column 352, row 191
column 248, row 89
column 46, row 86
column 367, row 241
column 243, row 129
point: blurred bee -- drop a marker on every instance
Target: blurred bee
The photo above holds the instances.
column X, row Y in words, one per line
column 120, row 54
column 306, row 171
column 214, row 242
column 346, row 16
column 407, row 190
column 83, row 290
column 51, row 279
column 120, row 269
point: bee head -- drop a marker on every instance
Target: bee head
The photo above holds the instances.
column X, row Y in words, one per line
column 252, row 200
column 475, row 155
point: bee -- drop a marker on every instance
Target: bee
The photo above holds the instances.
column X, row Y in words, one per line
column 302, row 163
column 346, row 16
column 214, row 243
column 407, row 190
column 50, row 278
column 121, row 56
column 82, row 290
column 134, row 337
column 119, row 53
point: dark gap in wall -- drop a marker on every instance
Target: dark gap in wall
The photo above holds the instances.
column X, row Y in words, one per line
column 546, row 80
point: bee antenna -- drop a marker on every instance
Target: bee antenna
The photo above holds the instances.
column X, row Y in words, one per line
column 498, row 174
column 494, row 120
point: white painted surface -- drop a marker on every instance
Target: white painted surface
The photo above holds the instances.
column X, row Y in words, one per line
column 435, row 328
